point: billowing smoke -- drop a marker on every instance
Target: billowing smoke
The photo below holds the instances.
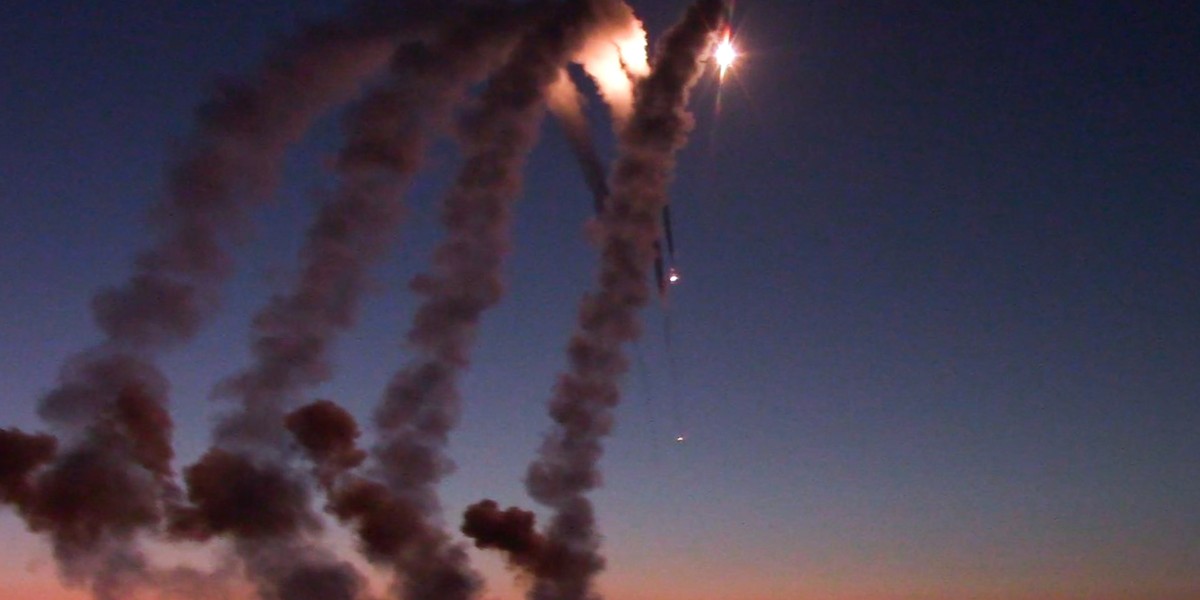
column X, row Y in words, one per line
column 512, row 531
column 105, row 480
column 20, row 454
column 586, row 394
column 391, row 530
column 329, row 436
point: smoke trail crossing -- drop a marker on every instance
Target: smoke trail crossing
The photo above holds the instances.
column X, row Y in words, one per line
column 294, row 332
column 584, row 397
column 105, row 480
column 113, row 475
column 421, row 404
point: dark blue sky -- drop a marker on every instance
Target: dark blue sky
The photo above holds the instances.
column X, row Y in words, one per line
column 937, row 333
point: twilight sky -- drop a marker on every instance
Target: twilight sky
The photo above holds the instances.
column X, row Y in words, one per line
column 937, row 332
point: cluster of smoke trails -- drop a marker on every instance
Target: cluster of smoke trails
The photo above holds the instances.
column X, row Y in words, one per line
column 421, row 404
column 114, row 479
column 113, row 476
column 585, row 396
column 270, row 515
column 398, row 520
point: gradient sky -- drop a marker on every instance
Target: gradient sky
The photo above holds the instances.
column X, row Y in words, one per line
column 937, row 334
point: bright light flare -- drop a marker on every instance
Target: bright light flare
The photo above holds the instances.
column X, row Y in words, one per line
column 725, row 54
column 673, row 275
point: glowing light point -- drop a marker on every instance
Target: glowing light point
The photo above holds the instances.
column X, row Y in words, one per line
column 673, row 275
column 680, row 439
column 725, row 54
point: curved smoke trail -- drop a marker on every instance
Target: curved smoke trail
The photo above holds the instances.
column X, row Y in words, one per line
column 421, row 403
column 107, row 478
column 113, row 476
column 566, row 469
column 294, row 332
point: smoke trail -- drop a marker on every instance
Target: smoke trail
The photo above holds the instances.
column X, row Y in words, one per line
column 566, row 103
column 386, row 138
column 271, row 513
column 112, row 479
column 511, row 531
column 294, row 332
column 390, row 530
column 108, row 482
column 421, row 403
column 585, row 396
column 113, row 476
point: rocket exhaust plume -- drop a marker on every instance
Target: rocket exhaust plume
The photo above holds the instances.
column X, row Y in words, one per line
column 581, row 407
column 566, row 103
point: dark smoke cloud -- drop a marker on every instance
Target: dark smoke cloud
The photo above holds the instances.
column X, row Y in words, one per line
column 390, row 530
column 231, row 493
column 20, row 454
column 329, row 435
column 512, row 531
column 91, row 503
column 264, row 509
column 325, row 582
column 110, row 479
column 585, row 396
column 290, row 569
